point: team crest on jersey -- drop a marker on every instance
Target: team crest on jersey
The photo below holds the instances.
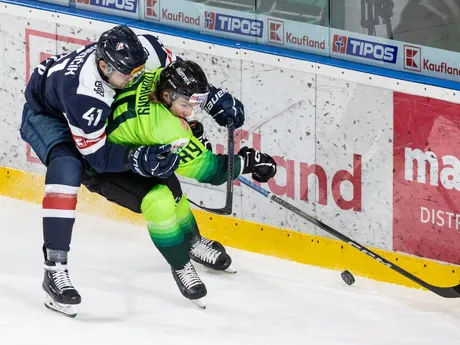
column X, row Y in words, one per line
column 98, row 88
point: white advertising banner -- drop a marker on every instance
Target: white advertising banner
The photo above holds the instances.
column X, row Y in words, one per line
column 296, row 35
column 354, row 148
column 395, row 55
column 239, row 25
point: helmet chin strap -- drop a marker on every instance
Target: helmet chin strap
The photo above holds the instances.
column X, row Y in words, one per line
column 101, row 73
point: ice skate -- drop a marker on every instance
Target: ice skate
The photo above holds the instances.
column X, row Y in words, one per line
column 190, row 285
column 211, row 254
column 61, row 296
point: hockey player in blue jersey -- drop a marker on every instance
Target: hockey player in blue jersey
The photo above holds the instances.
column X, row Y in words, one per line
column 68, row 103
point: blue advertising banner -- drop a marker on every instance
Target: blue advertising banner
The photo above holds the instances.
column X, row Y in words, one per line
column 123, row 8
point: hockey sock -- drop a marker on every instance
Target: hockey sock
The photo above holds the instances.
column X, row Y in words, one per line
column 187, row 221
column 60, row 201
column 159, row 210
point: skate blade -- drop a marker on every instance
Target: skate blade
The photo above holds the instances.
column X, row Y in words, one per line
column 199, row 302
column 65, row 309
column 230, row 269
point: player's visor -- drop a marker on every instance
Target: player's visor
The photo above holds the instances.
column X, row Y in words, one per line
column 198, row 100
column 133, row 76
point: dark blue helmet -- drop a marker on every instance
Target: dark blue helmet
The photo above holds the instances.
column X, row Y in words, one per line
column 120, row 47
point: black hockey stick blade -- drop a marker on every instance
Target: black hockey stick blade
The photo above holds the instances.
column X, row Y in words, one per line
column 228, row 208
column 447, row 292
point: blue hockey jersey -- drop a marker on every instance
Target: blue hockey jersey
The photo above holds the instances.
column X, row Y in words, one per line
column 70, row 87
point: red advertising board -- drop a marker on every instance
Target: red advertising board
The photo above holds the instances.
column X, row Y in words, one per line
column 426, row 178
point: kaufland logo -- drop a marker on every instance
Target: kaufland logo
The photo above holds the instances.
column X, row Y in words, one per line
column 152, row 9
column 276, row 31
column 412, row 58
column 180, row 17
column 233, row 24
column 277, row 34
column 414, row 61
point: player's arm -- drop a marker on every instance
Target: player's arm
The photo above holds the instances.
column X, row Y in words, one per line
column 202, row 165
column 87, row 118
column 159, row 55
column 198, row 162
column 88, row 126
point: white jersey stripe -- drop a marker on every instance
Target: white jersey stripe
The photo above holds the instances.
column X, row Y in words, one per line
column 49, row 213
column 60, row 188
column 93, row 148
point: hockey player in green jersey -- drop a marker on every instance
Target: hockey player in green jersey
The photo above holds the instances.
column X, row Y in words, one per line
column 153, row 112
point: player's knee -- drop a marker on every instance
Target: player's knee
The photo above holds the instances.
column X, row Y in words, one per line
column 65, row 170
column 158, row 205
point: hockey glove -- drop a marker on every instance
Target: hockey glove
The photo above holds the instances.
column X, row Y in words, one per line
column 261, row 165
column 198, row 132
column 221, row 105
column 153, row 161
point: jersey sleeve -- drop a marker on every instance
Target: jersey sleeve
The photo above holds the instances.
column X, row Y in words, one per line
column 87, row 119
column 159, row 55
column 202, row 165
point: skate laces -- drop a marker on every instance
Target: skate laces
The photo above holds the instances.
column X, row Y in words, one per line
column 205, row 252
column 60, row 277
column 206, row 241
column 188, row 276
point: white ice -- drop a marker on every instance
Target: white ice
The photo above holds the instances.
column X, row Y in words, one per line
column 130, row 297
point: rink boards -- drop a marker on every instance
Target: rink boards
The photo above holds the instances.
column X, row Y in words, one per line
column 373, row 157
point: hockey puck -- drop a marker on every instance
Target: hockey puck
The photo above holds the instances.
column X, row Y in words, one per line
column 348, row 277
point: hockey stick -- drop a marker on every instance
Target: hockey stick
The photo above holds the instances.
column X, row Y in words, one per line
column 227, row 209
column 447, row 292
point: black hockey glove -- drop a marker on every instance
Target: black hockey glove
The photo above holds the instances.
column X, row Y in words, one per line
column 153, row 161
column 261, row 165
column 222, row 105
column 198, row 132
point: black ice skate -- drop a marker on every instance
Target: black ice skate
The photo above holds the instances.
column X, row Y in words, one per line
column 190, row 285
column 61, row 296
column 211, row 254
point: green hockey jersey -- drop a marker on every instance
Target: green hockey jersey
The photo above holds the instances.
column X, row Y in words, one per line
column 136, row 121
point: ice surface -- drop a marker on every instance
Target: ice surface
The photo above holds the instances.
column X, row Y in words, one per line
column 130, row 297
